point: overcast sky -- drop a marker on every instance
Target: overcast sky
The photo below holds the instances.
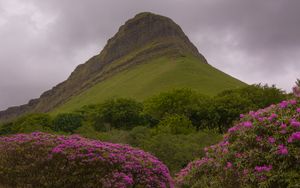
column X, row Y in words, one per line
column 42, row 41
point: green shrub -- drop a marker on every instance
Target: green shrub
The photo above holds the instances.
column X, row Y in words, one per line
column 6, row 128
column 175, row 124
column 181, row 102
column 176, row 151
column 138, row 135
column 67, row 122
column 28, row 123
column 228, row 105
column 118, row 113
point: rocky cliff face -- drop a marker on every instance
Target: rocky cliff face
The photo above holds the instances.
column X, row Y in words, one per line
column 141, row 38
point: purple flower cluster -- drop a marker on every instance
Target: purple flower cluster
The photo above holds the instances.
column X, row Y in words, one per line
column 180, row 177
column 79, row 160
column 282, row 150
column 294, row 137
column 262, row 147
column 263, row 168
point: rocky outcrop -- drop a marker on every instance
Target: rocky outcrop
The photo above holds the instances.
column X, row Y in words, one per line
column 141, row 38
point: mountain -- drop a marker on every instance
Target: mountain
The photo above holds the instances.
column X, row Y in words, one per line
column 149, row 54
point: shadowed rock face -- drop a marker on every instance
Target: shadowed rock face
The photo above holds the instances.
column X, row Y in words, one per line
column 141, row 38
column 142, row 29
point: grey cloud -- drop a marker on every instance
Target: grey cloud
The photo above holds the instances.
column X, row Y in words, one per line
column 43, row 41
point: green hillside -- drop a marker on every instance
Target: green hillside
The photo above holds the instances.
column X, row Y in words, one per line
column 158, row 75
column 149, row 54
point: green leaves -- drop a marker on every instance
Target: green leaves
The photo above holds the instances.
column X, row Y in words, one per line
column 118, row 113
column 175, row 124
column 67, row 122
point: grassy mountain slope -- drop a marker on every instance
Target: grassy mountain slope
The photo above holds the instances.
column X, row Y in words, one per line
column 158, row 75
column 147, row 55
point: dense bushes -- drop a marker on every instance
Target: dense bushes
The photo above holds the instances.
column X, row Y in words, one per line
column 180, row 101
column 45, row 160
column 67, row 122
column 203, row 112
column 212, row 112
column 118, row 113
column 174, row 150
column 230, row 103
column 175, row 124
column 27, row 124
column 261, row 150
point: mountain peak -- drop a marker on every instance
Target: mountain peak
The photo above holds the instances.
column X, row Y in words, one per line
column 147, row 28
column 144, row 37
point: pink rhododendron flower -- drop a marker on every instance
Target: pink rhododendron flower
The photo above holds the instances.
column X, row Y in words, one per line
column 282, row 149
column 295, row 123
column 271, row 140
column 294, row 136
column 283, row 104
column 258, row 138
column 248, row 124
column 263, row 168
column 283, row 126
column 293, row 102
column 233, row 129
column 283, row 131
column 238, row 155
column 229, row 165
column 273, row 116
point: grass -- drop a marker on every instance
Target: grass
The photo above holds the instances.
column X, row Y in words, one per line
column 158, row 75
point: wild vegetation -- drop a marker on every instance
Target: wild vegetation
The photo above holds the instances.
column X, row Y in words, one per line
column 151, row 78
column 261, row 150
column 174, row 126
column 124, row 96
column 47, row 160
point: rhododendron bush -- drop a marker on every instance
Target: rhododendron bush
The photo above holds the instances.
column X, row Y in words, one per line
column 261, row 150
column 46, row 160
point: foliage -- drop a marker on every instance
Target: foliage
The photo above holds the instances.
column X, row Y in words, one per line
column 138, row 135
column 177, row 150
column 67, row 122
column 175, row 124
column 212, row 112
column 174, row 150
column 151, row 78
column 261, row 150
column 119, row 113
column 227, row 108
column 229, row 104
column 184, row 102
column 6, row 128
column 27, row 124
column 46, row 160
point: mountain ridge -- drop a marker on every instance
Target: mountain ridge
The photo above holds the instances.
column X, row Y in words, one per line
column 146, row 36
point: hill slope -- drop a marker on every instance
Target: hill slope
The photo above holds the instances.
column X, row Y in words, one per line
column 158, row 75
column 145, row 38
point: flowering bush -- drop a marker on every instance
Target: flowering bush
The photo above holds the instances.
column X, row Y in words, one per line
column 261, row 150
column 46, row 160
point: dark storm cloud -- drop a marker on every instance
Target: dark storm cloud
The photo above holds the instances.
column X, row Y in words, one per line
column 43, row 41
